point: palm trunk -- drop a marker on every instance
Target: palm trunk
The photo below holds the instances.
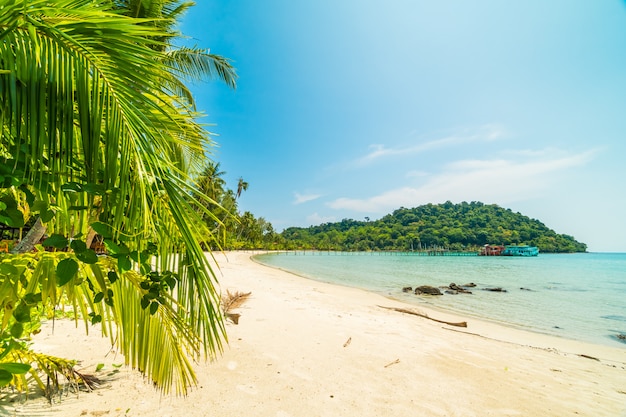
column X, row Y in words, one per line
column 33, row 236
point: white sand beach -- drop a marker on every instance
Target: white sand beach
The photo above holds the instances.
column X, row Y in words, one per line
column 305, row 348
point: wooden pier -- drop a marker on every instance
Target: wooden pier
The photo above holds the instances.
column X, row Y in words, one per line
column 313, row 252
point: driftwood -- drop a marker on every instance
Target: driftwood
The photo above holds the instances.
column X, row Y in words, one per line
column 415, row 313
column 392, row 363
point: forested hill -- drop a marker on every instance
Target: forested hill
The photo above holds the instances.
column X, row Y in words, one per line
column 464, row 226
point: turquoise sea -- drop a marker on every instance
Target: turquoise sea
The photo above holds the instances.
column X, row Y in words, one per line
column 576, row 296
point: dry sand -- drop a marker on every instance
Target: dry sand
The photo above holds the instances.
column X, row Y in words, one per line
column 305, row 348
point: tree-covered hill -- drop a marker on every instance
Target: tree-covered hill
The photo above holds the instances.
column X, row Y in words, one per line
column 464, row 226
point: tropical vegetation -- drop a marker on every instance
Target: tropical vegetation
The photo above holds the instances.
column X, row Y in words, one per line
column 100, row 143
column 457, row 227
column 235, row 230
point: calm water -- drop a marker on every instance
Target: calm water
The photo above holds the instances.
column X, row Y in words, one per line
column 577, row 296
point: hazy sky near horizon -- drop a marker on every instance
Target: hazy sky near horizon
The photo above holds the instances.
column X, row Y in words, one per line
column 354, row 108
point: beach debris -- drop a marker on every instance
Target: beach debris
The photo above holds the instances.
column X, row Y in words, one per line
column 231, row 301
column 589, row 357
column 392, row 363
column 407, row 289
column 347, row 342
column 423, row 315
column 621, row 336
column 495, row 289
column 233, row 317
column 427, row 290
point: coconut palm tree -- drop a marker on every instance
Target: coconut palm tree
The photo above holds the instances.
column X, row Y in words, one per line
column 94, row 134
column 241, row 186
column 188, row 62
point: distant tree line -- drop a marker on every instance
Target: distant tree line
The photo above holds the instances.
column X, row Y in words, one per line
column 458, row 227
column 231, row 229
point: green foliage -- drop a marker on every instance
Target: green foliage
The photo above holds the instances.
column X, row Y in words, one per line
column 232, row 230
column 464, row 226
column 98, row 134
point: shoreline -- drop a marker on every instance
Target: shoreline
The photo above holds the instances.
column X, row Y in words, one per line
column 579, row 326
column 490, row 329
column 308, row 348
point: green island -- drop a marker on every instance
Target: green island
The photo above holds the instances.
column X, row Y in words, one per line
column 457, row 227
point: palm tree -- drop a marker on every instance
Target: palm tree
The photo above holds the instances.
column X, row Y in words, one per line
column 210, row 181
column 94, row 133
column 187, row 62
column 241, row 186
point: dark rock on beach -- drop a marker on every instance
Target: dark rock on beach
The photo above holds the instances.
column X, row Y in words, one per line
column 428, row 290
column 496, row 289
column 407, row 289
column 469, row 285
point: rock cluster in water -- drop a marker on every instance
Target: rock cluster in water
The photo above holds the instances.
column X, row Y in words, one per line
column 450, row 289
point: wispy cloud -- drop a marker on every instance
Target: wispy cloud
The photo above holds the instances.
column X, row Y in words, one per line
column 485, row 133
column 498, row 180
column 303, row 198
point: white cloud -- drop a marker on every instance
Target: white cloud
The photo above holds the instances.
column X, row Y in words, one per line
column 303, row 198
column 499, row 180
column 486, row 133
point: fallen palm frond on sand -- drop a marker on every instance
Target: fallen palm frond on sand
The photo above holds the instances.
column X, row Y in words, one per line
column 231, row 301
column 416, row 313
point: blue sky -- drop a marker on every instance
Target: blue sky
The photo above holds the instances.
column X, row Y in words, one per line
column 354, row 108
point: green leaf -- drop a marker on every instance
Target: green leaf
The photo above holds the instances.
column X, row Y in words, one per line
column 47, row 215
column 66, row 269
column 17, row 330
column 88, row 256
column 102, row 229
column 22, row 313
column 154, row 306
column 98, row 297
column 112, row 276
column 95, row 189
column 30, row 197
column 32, row 299
column 39, row 206
column 145, row 302
column 5, row 378
column 15, row 368
column 78, row 246
column 99, row 367
column 111, row 247
column 123, row 264
column 7, row 269
column 56, row 241
column 12, row 217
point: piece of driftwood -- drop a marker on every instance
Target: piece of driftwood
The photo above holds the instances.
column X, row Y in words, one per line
column 415, row 313
column 392, row 363
column 347, row 342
